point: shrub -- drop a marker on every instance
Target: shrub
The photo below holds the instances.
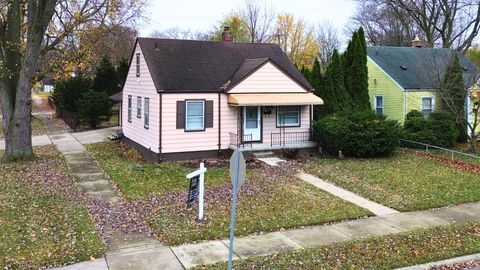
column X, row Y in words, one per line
column 94, row 107
column 359, row 134
column 439, row 129
column 68, row 92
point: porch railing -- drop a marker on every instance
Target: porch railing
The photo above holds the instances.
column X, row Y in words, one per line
column 239, row 142
column 289, row 138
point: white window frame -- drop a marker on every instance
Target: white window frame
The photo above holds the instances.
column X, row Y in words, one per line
column 129, row 109
column 187, row 102
column 280, row 125
column 376, row 104
column 432, row 103
column 139, row 107
column 137, row 64
column 146, row 113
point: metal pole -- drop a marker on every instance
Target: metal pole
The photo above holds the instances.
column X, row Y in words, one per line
column 201, row 191
column 234, row 208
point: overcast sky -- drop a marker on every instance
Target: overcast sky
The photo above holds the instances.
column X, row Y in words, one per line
column 201, row 15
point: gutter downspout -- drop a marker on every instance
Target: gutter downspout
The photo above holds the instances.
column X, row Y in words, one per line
column 219, row 123
column 160, row 127
column 406, row 105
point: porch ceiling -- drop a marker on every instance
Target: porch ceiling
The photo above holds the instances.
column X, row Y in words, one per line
column 274, row 99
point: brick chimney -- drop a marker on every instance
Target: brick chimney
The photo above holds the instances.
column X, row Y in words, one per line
column 227, row 34
column 417, row 42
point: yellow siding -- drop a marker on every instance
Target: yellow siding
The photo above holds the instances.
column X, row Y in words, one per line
column 414, row 100
column 380, row 84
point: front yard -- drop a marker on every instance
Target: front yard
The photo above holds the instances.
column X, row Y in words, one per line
column 385, row 252
column 405, row 181
column 271, row 199
column 42, row 219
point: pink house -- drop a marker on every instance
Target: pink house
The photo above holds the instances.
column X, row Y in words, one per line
column 187, row 99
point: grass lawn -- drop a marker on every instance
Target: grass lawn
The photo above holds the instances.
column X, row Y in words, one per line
column 386, row 252
column 38, row 127
column 404, row 181
column 137, row 179
column 42, row 221
column 271, row 198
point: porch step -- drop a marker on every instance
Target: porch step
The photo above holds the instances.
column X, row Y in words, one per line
column 263, row 154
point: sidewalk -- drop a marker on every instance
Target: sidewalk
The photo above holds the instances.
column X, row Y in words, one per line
column 210, row 252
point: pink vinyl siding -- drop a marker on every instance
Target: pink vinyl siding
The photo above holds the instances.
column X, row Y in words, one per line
column 178, row 140
column 269, row 123
column 143, row 87
column 267, row 79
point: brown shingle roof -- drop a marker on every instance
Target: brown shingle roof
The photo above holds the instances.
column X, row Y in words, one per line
column 205, row 66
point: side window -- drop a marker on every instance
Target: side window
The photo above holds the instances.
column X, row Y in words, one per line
column 129, row 109
column 428, row 104
column 146, row 113
column 139, row 107
column 137, row 64
column 379, row 105
column 194, row 115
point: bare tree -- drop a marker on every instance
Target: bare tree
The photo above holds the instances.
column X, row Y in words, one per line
column 259, row 19
column 445, row 23
column 384, row 24
column 178, row 33
column 326, row 36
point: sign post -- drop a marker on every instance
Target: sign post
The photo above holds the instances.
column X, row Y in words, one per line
column 237, row 173
column 197, row 189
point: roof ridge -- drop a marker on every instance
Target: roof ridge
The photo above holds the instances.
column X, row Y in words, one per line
column 210, row 41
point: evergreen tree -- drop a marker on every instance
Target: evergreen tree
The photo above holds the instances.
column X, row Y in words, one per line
column 357, row 73
column 122, row 71
column 347, row 61
column 315, row 74
column 106, row 78
column 453, row 96
column 332, row 89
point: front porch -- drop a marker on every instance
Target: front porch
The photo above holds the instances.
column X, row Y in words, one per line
column 279, row 140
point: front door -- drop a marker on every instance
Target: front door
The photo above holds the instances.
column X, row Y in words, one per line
column 251, row 124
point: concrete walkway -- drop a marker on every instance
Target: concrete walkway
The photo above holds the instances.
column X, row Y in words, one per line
column 192, row 255
column 36, row 141
column 473, row 257
column 373, row 207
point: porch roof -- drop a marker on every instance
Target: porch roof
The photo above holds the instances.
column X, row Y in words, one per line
column 274, row 99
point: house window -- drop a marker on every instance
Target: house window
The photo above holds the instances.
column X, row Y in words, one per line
column 139, row 107
column 194, row 115
column 288, row 116
column 378, row 105
column 129, row 117
column 146, row 113
column 137, row 64
column 428, row 103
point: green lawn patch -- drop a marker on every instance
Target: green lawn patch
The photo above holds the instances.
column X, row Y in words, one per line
column 42, row 223
column 404, row 181
column 137, row 179
column 38, row 127
column 271, row 199
column 386, row 252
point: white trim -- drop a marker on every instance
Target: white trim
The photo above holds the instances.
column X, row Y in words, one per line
column 433, row 103
column 375, row 103
column 203, row 115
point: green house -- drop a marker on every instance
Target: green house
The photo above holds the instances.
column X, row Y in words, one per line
column 402, row 79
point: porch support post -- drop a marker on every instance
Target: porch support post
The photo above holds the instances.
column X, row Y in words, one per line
column 311, row 120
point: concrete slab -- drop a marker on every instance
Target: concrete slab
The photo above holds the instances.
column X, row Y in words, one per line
column 36, row 141
column 316, row 236
column 264, row 244
column 272, row 161
column 373, row 207
column 95, row 136
column 411, row 221
column 98, row 185
column 85, row 167
column 471, row 208
column 473, row 257
column 144, row 258
column 108, row 195
column 192, row 255
column 87, row 177
column 120, row 240
column 453, row 214
column 364, row 228
column 98, row 264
